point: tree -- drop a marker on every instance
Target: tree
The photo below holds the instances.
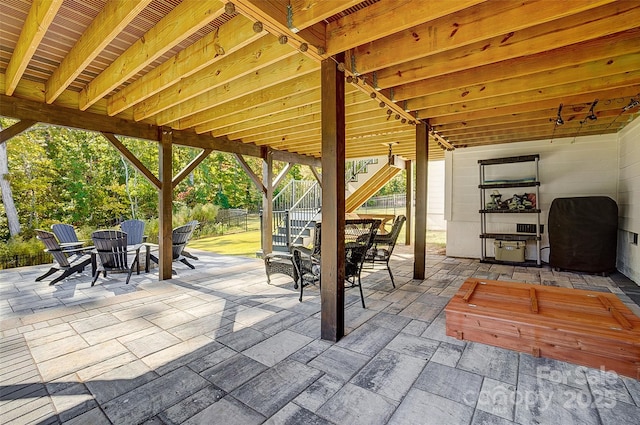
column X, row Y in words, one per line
column 7, row 196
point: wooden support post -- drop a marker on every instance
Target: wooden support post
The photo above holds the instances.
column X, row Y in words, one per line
column 422, row 159
column 165, row 205
column 332, row 262
column 409, row 202
column 267, row 201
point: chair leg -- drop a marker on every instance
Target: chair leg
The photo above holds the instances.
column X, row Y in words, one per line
column 95, row 277
column 64, row 275
column 391, row 275
column 184, row 261
column 129, row 275
column 188, row 254
column 301, row 288
column 51, row 271
column 361, row 294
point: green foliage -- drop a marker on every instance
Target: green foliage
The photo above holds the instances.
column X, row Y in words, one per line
column 396, row 185
column 17, row 245
column 78, row 177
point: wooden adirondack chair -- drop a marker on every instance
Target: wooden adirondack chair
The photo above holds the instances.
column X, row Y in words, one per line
column 69, row 260
column 180, row 237
column 66, row 234
column 134, row 230
column 111, row 248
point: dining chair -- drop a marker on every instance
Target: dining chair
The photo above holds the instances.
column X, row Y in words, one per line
column 111, row 248
column 358, row 235
column 72, row 260
column 383, row 246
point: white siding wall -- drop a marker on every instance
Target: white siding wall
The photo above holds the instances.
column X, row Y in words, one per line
column 629, row 201
column 586, row 167
column 435, row 196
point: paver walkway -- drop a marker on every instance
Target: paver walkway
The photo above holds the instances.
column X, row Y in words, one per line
column 218, row 345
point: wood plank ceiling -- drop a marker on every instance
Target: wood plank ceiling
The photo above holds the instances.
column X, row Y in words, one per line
column 481, row 72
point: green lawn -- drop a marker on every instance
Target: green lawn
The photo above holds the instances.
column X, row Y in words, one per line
column 246, row 244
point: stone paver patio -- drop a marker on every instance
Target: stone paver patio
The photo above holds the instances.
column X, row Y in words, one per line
column 218, row 345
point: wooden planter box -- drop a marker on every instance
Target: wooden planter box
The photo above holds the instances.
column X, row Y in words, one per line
column 588, row 328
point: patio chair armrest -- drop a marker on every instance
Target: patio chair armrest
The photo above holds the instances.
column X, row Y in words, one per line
column 83, row 249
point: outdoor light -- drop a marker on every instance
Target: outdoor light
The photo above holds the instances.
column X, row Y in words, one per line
column 559, row 120
column 592, row 116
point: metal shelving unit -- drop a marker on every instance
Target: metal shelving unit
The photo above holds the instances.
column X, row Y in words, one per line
column 485, row 186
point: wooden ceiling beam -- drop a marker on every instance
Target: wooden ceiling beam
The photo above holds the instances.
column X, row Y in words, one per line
column 272, row 14
column 229, row 38
column 112, row 19
column 539, row 81
column 530, row 97
column 552, row 104
column 566, row 139
column 569, row 114
column 538, row 127
column 304, row 13
column 40, row 16
column 286, row 91
column 618, row 44
column 13, row 107
column 588, row 25
column 250, row 59
column 289, row 118
column 384, row 18
column 477, row 23
column 539, row 134
column 288, row 69
column 183, row 21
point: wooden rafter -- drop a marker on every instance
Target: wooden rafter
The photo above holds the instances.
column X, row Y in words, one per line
column 540, row 39
column 288, row 69
column 35, row 26
column 385, row 18
column 622, row 43
column 286, row 90
column 115, row 16
column 247, row 60
column 458, row 29
column 229, row 38
column 187, row 18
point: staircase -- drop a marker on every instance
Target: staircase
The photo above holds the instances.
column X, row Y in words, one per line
column 295, row 209
column 297, row 206
column 370, row 187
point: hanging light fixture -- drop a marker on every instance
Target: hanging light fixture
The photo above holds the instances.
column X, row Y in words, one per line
column 632, row 104
column 558, row 121
column 590, row 117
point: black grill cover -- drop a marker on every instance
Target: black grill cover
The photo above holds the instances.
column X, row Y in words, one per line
column 583, row 234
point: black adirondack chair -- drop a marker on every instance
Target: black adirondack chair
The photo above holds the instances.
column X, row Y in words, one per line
column 179, row 239
column 111, row 248
column 134, row 230
column 65, row 233
column 69, row 260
